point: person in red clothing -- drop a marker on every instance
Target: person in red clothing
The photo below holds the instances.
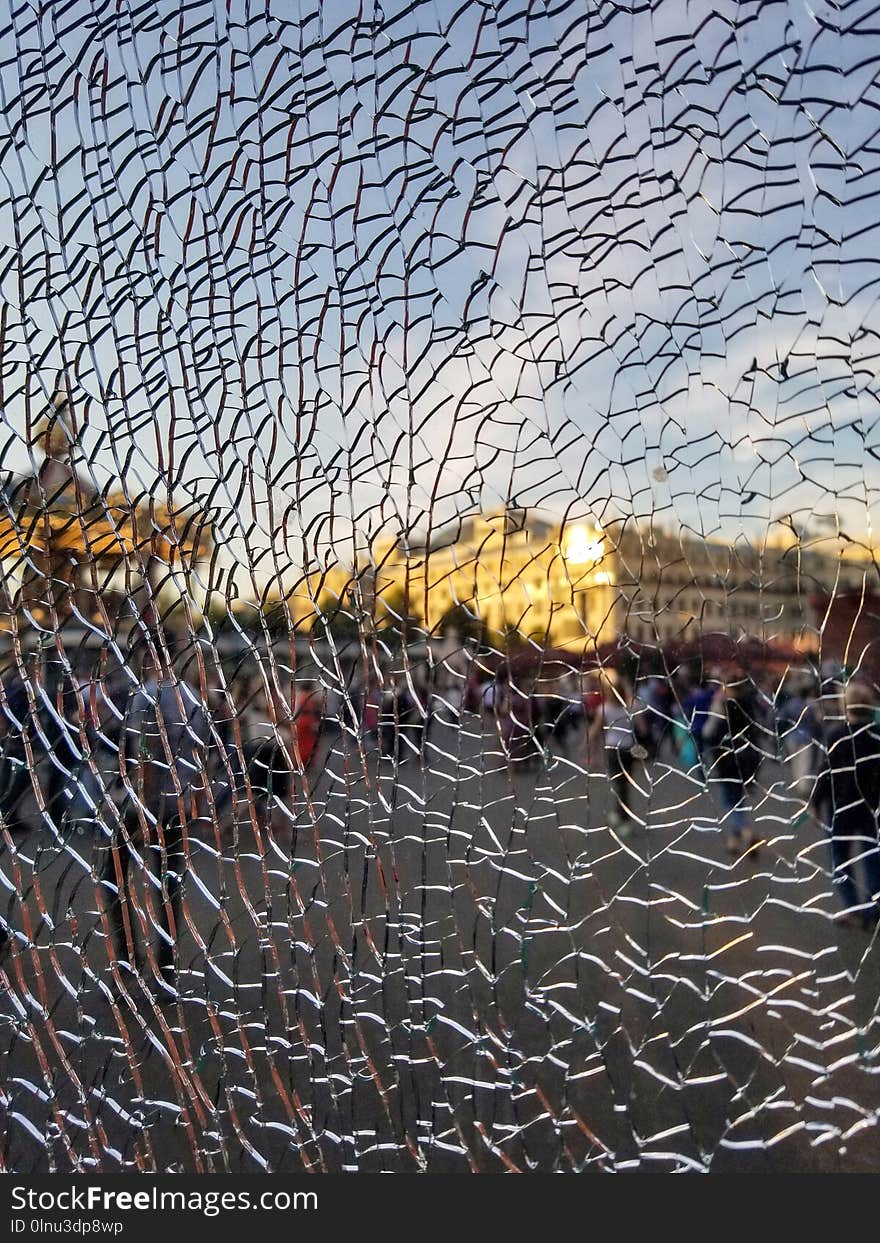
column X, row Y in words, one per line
column 307, row 716
column 295, row 729
column 372, row 707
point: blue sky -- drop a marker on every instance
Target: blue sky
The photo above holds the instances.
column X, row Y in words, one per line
column 369, row 267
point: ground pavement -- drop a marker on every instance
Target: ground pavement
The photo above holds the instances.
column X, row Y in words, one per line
column 439, row 964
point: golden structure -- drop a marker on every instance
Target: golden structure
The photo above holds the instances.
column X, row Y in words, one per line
column 511, row 574
column 578, row 586
column 69, row 545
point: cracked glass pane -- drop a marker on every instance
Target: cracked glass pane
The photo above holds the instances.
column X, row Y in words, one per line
column 440, row 617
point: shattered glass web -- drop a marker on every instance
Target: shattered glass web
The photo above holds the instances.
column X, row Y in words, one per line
column 298, row 285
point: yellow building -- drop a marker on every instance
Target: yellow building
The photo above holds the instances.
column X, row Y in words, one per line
column 578, row 586
column 511, row 574
column 68, row 549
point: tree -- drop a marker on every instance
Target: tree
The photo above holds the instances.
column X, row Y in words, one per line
column 461, row 622
column 393, row 611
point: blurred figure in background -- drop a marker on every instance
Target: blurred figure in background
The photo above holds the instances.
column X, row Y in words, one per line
column 165, row 738
column 472, row 697
column 800, row 732
column 420, row 709
column 447, row 704
column 494, row 692
column 612, row 728
column 657, row 696
column 388, row 728
column 733, row 756
column 257, row 738
column 570, row 711
column 296, row 718
column 37, row 753
column 592, row 698
column 92, row 722
column 696, row 707
column 308, row 717
column 401, row 719
column 520, row 726
column 372, row 709
column 847, row 801
column 511, row 710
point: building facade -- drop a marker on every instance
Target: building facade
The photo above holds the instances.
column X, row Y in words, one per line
column 578, row 586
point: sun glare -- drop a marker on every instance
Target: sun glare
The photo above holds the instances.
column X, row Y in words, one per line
column 583, row 547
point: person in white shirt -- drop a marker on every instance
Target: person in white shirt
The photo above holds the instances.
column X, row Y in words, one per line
column 613, row 727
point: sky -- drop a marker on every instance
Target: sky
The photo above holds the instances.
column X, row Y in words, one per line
column 336, row 273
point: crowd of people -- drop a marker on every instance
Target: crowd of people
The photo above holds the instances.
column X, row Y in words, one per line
column 822, row 731
column 138, row 759
column 138, row 755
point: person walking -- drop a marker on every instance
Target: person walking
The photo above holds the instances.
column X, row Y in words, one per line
column 165, row 737
column 847, row 801
column 732, row 755
column 308, row 713
column 612, row 728
column 800, row 738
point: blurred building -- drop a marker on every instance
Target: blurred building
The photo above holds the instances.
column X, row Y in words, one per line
column 850, row 626
column 681, row 587
column 505, row 573
column 509, row 573
column 72, row 551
